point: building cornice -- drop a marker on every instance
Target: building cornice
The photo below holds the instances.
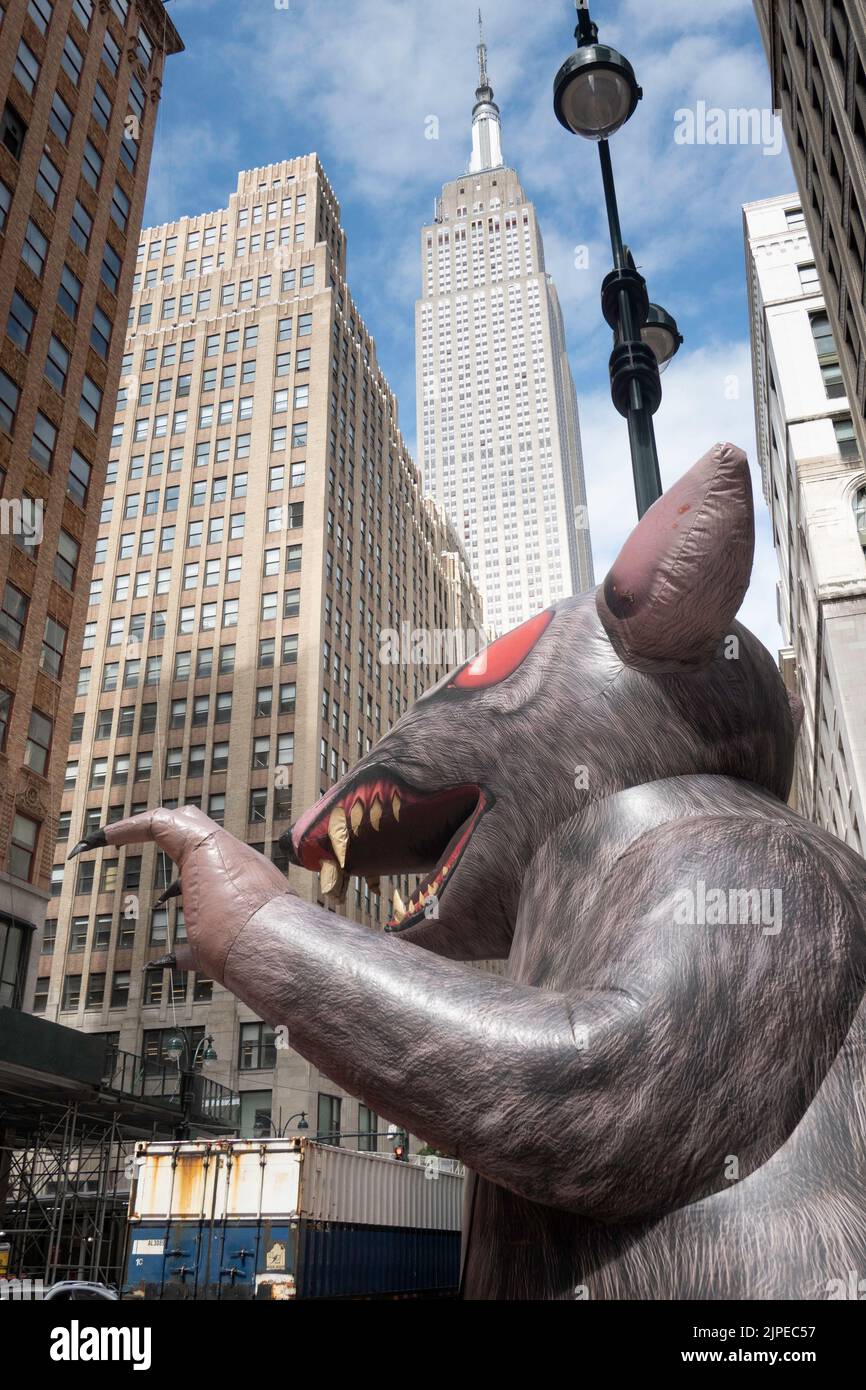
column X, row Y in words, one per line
column 154, row 13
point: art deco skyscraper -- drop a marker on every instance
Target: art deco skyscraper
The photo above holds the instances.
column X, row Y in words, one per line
column 262, row 524
column 815, row 488
column 817, row 55
column 498, row 431
column 80, row 85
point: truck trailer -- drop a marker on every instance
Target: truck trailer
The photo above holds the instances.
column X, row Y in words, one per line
column 289, row 1218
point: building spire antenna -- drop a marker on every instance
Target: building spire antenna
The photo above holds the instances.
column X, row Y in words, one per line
column 482, row 54
column 486, row 128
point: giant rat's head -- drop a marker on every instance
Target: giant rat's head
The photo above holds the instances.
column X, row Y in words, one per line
column 649, row 677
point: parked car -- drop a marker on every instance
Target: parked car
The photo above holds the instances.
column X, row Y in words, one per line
column 78, row 1289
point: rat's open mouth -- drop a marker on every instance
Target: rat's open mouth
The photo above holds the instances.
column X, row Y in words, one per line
column 377, row 824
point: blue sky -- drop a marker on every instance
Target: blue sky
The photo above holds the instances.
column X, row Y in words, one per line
column 357, row 83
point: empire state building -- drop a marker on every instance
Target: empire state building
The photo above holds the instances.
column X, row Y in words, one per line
column 498, row 429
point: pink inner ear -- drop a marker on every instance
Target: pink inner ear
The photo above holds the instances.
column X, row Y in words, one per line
column 679, row 580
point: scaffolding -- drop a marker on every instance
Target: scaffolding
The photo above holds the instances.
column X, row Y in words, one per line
column 66, row 1193
column 71, row 1113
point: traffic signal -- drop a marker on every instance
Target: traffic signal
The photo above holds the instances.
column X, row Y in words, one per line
column 400, row 1152
column 401, row 1148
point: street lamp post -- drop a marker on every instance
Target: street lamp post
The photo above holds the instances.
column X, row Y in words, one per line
column 595, row 92
column 279, row 1130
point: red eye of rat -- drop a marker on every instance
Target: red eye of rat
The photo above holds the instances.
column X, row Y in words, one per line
column 502, row 657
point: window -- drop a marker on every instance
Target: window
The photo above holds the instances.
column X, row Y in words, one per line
column 92, row 164
column 100, row 332
column 53, row 647
column 38, row 742
column 34, row 250
column 258, row 805
column 81, row 227
column 257, row 1050
column 846, row 438
column 328, row 1119
column 110, row 53
column 66, row 560
column 5, row 204
column 40, row 12
column 13, row 616
column 368, row 1129
column 57, row 364
column 48, row 181
column 71, row 60
column 60, row 118
column 79, row 478
column 111, row 268
column 26, row 68
column 220, row 757
column 22, row 847
column 91, row 403
column 119, row 989
column 42, row 442
column 12, row 131
column 859, row 518
column 19, row 325
column 822, row 333
column 119, row 208
column 101, row 107
column 5, row 715
column 69, row 293
column 71, row 997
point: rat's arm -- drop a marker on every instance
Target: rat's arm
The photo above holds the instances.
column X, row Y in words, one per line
column 615, row 1101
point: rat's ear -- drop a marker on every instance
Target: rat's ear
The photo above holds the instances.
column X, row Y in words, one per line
column 678, row 582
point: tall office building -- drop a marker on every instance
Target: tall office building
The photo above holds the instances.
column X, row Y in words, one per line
column 79, row 90
column 815, row 487
column 262, row 523
column 817, row 55
column 498, row 431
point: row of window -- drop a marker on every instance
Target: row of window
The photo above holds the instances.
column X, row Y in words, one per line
column 149, row 672
column 247, row 291
column 199, row 708
column 149, row 279
column 94, row 995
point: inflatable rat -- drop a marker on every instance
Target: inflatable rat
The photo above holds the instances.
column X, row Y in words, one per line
column 664, row 1098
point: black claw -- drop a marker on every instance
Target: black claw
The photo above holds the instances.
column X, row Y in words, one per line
column 173, row 890
column 95, row 840
column 164, row 963
column 286, row 844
